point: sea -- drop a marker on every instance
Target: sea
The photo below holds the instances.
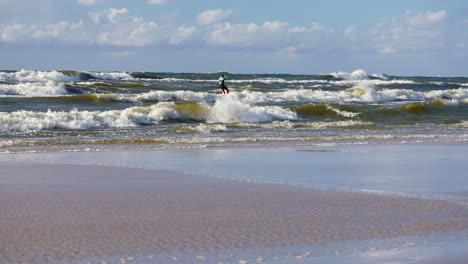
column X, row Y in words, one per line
column 57, row 110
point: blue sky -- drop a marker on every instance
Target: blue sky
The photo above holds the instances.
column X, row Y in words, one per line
column 418, row 37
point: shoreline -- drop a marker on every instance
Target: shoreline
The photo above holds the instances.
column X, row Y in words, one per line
column 146, row 147
column 53, row 211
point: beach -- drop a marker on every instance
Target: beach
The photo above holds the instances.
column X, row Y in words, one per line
column 158, row 167
column 103, row 209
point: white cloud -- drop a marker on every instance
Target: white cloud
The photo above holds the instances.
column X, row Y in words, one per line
column 270, row 33
column 114, row 14
column 298, row 29
column 182, row 34
column 426, row 19
column 132, row 35
column 411, row 33
column 314, row 27
column 408, row 34
column 275, row 26
column 212, row 16
column 387, row 51
column 11, row 33
column 125, row 31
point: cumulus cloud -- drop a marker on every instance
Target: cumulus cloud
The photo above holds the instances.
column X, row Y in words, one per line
column 35, row 32
column 413, row 32
column 251, row 34
column 410, row 33
column 113, row 14
column 213, row 16
column 111, row 27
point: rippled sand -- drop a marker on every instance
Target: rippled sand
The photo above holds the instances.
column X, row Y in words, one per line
column 51, row 213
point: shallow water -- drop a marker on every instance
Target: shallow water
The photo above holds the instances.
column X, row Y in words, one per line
column 415, row 169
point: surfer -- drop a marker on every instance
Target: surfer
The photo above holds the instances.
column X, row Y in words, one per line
column 224, row 89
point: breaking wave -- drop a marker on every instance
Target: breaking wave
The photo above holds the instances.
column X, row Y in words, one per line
column 37, row 76
column 60, row 76
column 227, row 110
column 49, row 88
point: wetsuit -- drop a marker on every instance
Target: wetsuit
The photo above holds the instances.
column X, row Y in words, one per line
column 223, row 87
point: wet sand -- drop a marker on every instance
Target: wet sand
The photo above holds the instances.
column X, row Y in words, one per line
column 51, row 213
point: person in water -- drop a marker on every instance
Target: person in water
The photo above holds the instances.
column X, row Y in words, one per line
column 224, row 89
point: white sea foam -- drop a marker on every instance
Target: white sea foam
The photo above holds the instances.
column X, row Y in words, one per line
column 43, row 76
column 176, row 95
column 355, row 75
column 28, row 120
column 36, row 76
column 228, row 110
column 342, row 113
column 49, row 88
column 363, row 93
column 209, row 128
column 287, row 124
column 111, row 75
column 463, row 124
column 379, row 76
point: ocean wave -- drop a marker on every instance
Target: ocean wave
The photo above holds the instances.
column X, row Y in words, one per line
column 362, row 94
column 323, row 110
column 37, row 76
column 317, row 82
column 60, row 76
column 202, row 128
column 111, row 75
column 175, row 95
column 81, row 120
column 355, row 75
column 356, row 94
column 49, row 88
column 227, row 110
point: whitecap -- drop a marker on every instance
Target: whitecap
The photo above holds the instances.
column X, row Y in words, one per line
column 49, row 88
column 111, row 75
column 36, row 76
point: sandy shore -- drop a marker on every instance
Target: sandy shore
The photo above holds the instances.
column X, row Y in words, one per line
column 51, row 213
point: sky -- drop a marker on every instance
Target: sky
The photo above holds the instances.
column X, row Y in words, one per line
column 398, row 37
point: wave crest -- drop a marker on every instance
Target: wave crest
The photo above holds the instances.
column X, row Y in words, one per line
column 227, row 110
column 49, row 88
